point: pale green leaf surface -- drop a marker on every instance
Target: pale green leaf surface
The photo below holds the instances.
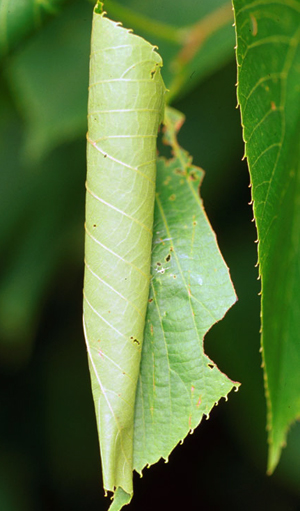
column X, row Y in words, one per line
column 190, row 291
column 268, row 56
column 144, row 411
column 120, row 499
column 126, row 98
column 19, row 17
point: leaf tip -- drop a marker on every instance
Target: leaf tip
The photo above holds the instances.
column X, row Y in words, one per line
column 99, row 7
column 273, row 458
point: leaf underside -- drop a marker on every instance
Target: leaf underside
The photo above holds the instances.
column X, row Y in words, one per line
column 151, row 381
column 268, row 56
column 190, row 291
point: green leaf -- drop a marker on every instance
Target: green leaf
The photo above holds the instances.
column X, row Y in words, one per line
column 17, row 19
column 126, row 99
column 268, row 58
column 190, row 291
column 144, row 406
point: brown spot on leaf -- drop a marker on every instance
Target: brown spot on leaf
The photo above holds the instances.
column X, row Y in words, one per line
column 134, row 340
column 253, row 25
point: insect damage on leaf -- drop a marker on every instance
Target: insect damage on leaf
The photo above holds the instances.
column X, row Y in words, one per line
column 151, row 344
column 190, row 290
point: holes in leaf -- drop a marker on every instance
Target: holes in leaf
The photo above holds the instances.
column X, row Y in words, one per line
column 168, row 258
column 134, row 340
column 211, row 366
column 153, row 72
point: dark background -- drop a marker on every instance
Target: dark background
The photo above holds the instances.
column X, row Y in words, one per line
column 49, row 454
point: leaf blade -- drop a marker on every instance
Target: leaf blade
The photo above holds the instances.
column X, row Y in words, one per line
column 118, row 248
column 178, row 383
column 268, row 59
column 125, row 108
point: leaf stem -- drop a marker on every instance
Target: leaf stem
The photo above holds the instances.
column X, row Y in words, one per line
column 139, row 21
column 197, row 34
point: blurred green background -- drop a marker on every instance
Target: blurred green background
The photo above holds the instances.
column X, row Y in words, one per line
column 49, row 455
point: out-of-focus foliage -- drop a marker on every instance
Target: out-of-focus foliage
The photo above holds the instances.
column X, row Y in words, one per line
column 19, row 17
column 49, row 78
column 49, row 448
column 194, row 38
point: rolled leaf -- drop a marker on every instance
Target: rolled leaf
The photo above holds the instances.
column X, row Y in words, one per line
column 125, row 108
column 145, row 406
